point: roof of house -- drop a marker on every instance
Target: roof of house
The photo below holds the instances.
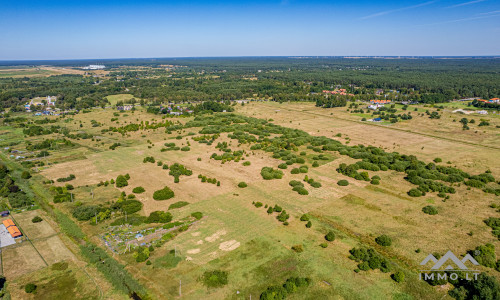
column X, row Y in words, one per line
column 8, row 223
column 14, row 231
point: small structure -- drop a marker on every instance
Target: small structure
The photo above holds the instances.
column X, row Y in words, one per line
column 4, row 213
column 482, row 112
column 124, row 107
column 377, row 120
column 12, row 228
column 375, row 106
column 380, row 101
column 94, row 67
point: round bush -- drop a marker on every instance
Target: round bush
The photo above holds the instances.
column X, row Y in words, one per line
column 343, row 182
column 242, row 185
column 330, row 236
column 414, row 193
column 121, row 181
column 430, row 210
column 304, row 217
column 375, row 181
column 138, row 190
column 30, row 288
column 383, row 240
column 36, row 219
column 163, row 194
column 398, row 277
column 283, row 166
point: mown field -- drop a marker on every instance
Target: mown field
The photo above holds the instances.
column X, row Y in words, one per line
column 251, row 245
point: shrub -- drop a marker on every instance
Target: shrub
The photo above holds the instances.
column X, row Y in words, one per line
column 295, row 171
column 304, row 217
column 298, row 248
column 283, row 166
column 309, row 224
column 343, row 182
column 36, row 219
column 26, row 175
column 138, row 190
column 323, row 245
column 430, row 210
column 247, row 163
column 383, row 240
column 269, row 173
column 121, row 181
column 414, row 193
column 242, row 185
column 159, row 217
column 398, row 277
column 197, row 215
column 163, row 194
column 30, row 288
column 375, row 182
column 178, row 204
column 330, row 236
column 437, row 160
column 129, row 206
column 258, row 204
column 315, row 164
column 214, row 278
column 186, row 148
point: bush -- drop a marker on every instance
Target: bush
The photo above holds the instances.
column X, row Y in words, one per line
column 383, row 240
column 330, row 236
column 375, row 182
column 121, row 181
column 36, row 219
column 178, row 204
column 269, row 173
column 298, row 248
column 186, row 148
column 26, row 175
column 304, row 217
column 163, row 194
column 323, row 245
column 309, row 224
column 414, row 193
column 301, row 190
column 159, row 217
column 214, row 279
column 247, row 163
column 283, row 166
column 30, row 288
column 437, row 160
column 430, row 210
column 343, row 182
column 295, row 171
column 138, row 190
column 398, row 277
column 242, row 185
column 197, row 215
column 315, row 164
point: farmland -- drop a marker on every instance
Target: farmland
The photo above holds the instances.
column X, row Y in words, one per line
column 231, row 200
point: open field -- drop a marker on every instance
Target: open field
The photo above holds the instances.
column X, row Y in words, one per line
column 43, row 71
column 244, row 240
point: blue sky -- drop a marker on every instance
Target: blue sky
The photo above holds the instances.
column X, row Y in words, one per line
column 129, row 29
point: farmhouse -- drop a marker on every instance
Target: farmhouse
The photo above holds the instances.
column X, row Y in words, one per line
column 375, row 106
column 492, row 100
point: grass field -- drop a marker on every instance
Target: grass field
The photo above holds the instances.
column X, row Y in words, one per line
column 120, row 97
column 252, row 245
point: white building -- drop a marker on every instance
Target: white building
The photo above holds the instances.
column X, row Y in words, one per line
column 94, row 67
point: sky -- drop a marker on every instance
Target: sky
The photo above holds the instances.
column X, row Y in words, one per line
column 91, row 29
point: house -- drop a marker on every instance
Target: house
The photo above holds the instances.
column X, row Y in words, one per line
column 482, row 112
column 8, row 223
column 380, row 101
column 4, row 213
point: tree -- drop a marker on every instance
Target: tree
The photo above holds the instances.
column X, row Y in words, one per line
column 242, row 185
column 430, row 210
column 26, row 175
column 343, row 182
column 36, row 219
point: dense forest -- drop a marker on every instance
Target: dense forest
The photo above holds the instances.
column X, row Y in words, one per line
column 155, row 81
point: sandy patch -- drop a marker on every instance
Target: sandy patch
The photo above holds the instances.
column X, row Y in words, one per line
column 188, row 258
column 195, row 233
column 215, row 236
column 229, row 245
column 200, row 242
column 193, row 251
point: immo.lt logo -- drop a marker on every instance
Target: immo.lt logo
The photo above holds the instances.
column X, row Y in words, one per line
column 443, row 268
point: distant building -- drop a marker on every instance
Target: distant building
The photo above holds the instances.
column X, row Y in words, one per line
column 124, row 107
column 380, row 101
column 94, row 67
column 482, row 112
column 375, row 106
column 12, row 228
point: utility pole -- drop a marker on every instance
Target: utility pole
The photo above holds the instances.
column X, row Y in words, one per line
column 71, row 197
column 96, row 217
column 180, row 288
